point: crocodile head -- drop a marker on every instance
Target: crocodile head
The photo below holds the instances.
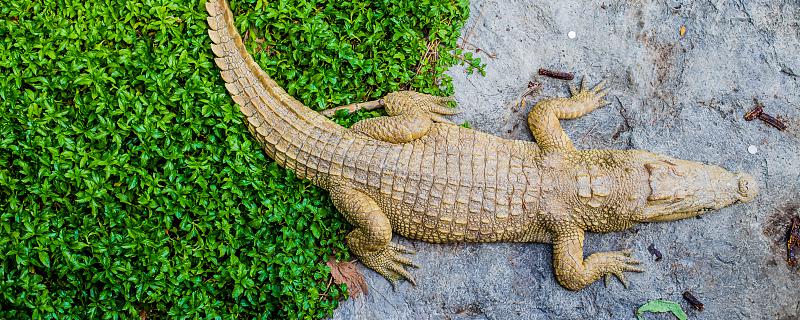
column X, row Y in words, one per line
column 617, row 189
column 677, row 189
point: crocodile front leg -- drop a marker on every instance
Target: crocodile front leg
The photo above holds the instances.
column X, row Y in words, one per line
column 411, row 115
column 544, row 123
column 371, row 240
column 574, row 272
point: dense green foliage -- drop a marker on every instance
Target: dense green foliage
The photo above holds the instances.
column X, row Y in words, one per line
column 129, row 185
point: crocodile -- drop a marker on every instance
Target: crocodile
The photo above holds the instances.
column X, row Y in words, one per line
column 415, row 174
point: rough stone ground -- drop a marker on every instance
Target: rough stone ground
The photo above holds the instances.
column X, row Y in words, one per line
column 681, row 97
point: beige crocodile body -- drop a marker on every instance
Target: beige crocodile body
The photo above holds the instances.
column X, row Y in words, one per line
column 415, row 174
column 475, row 189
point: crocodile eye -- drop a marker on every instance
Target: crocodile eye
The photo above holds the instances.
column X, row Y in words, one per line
column 744, row 186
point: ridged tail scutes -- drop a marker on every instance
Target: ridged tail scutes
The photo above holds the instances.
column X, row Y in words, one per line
column 279, row 122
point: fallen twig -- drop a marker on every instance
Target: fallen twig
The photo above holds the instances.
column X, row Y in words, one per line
column 369, row 105
column 693, row 301
column 654, row 251
column 431, row 55
column 491, row 55
column 758, row 112
column 556, row 74
column 533, row 86
column 793, row 244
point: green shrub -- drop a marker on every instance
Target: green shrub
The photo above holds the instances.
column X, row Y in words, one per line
column 129, row 185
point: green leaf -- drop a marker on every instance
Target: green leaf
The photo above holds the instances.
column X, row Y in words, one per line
column 83, row 80
column 44, row 258
column 315, row 231
column 661, row 306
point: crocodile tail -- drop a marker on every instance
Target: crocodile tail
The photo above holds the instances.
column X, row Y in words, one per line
column 277, row 120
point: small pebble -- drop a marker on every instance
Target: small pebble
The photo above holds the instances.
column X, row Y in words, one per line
column 752, row 149
column 572, row 34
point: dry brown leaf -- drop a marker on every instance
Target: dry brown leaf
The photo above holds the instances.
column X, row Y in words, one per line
column 347, row 273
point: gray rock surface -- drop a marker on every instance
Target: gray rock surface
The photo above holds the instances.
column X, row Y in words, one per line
column 683, row 97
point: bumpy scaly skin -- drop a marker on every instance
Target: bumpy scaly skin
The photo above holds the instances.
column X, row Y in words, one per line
column 415, row 174
column 411, row 116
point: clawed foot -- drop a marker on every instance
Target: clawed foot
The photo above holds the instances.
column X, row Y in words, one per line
column 593, row 96
column 434, row 107
column 440, row 109
column 390, row 263
column 616, row 263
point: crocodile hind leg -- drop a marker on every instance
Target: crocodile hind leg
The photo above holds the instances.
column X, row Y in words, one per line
column 371, row 240
column 544, row 123
column 575, row 273
column 411, row 115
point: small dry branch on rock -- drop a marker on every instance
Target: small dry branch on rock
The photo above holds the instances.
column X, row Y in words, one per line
column 533, row 87
column 655, row 252
column 793, row 244
column 758, row 112
column 693, row 301
column 556, row 74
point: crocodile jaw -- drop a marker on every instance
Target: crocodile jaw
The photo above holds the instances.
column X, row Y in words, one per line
column 681, row 189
